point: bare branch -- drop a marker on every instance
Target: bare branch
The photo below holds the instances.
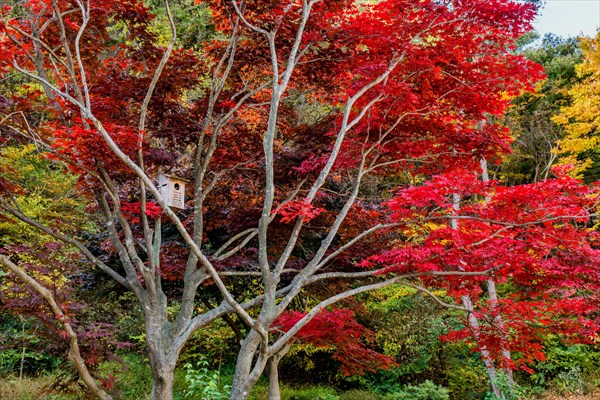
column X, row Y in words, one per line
column 80, row 246
column 435, row 298
column 159, row 69
column 285, row 338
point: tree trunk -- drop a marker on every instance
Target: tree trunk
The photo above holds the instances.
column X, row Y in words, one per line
column 249, row 367
column 163, row 371
column 162, row 361
column 474, row 323
column 491, row 286
column 485, row 354
column 500, row 326
column 162, row 387
column 274, row 392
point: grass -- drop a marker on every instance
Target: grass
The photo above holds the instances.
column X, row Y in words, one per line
column 29, row 388
column 261, row 391
column 135, row 383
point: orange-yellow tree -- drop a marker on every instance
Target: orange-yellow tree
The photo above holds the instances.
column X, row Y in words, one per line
column 581, row 119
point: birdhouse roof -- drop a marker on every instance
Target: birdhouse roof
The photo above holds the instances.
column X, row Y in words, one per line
column 176, row 178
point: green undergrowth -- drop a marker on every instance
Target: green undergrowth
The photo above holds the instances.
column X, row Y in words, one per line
column 133, row 381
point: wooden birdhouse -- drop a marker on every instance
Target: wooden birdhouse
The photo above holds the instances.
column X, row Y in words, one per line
column 172, row 190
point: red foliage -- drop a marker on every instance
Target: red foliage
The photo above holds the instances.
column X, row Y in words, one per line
column 87, row 147
column 132, row 211
column 536, row 237
column 294, row 209
column 339, row 331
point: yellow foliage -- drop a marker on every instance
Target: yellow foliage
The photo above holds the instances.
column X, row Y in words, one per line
column 50, row 195
column 393, row 292
column 581, row 120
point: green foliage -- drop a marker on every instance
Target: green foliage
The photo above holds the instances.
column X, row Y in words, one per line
column 567, row 368
column 570, row 381
column 408, row 326
column 194, row 23
column 311, row 393
column 204, row 384
column 260, row 392
column 308, row 364
column 424, row 391
column 358, row 394
column 558, row 56
column 214, row 342
column 466, row 382
column 511, row 391
column 17, row 343
column 134, row 378
column 529, row 117
column 33, row 361
column 415, row 346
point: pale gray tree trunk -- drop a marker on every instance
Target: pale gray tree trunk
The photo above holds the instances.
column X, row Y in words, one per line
column 274, row 390
column 162, row 385
column 249, row 367
column 163, row 368
column 488, row 362
column 493, row 296
column 159, row 341
column 474, row 323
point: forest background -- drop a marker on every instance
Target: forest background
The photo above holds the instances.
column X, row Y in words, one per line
column 409, row 340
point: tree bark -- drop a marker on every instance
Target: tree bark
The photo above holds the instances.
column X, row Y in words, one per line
column 162, row 386
column 488, row 362
column 493, row 298
column 158, row 341
column 163, row 368
column 249, row 366
column 274, row 392
column 506, row 355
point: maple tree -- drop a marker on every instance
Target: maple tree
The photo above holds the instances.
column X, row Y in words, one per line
column 554, row 269
column 279, row 121
column 323, row 332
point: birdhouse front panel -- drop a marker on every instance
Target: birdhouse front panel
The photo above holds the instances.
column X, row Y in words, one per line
column 172, row 191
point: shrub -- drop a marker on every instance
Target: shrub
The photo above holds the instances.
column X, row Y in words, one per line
column 357, row 394
column 570, row 381
column 467, row 382
column 204, row 383
column 310, row 393
column 30, row 388
column 424, row 391
column 561, row 358
column 215, row 342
